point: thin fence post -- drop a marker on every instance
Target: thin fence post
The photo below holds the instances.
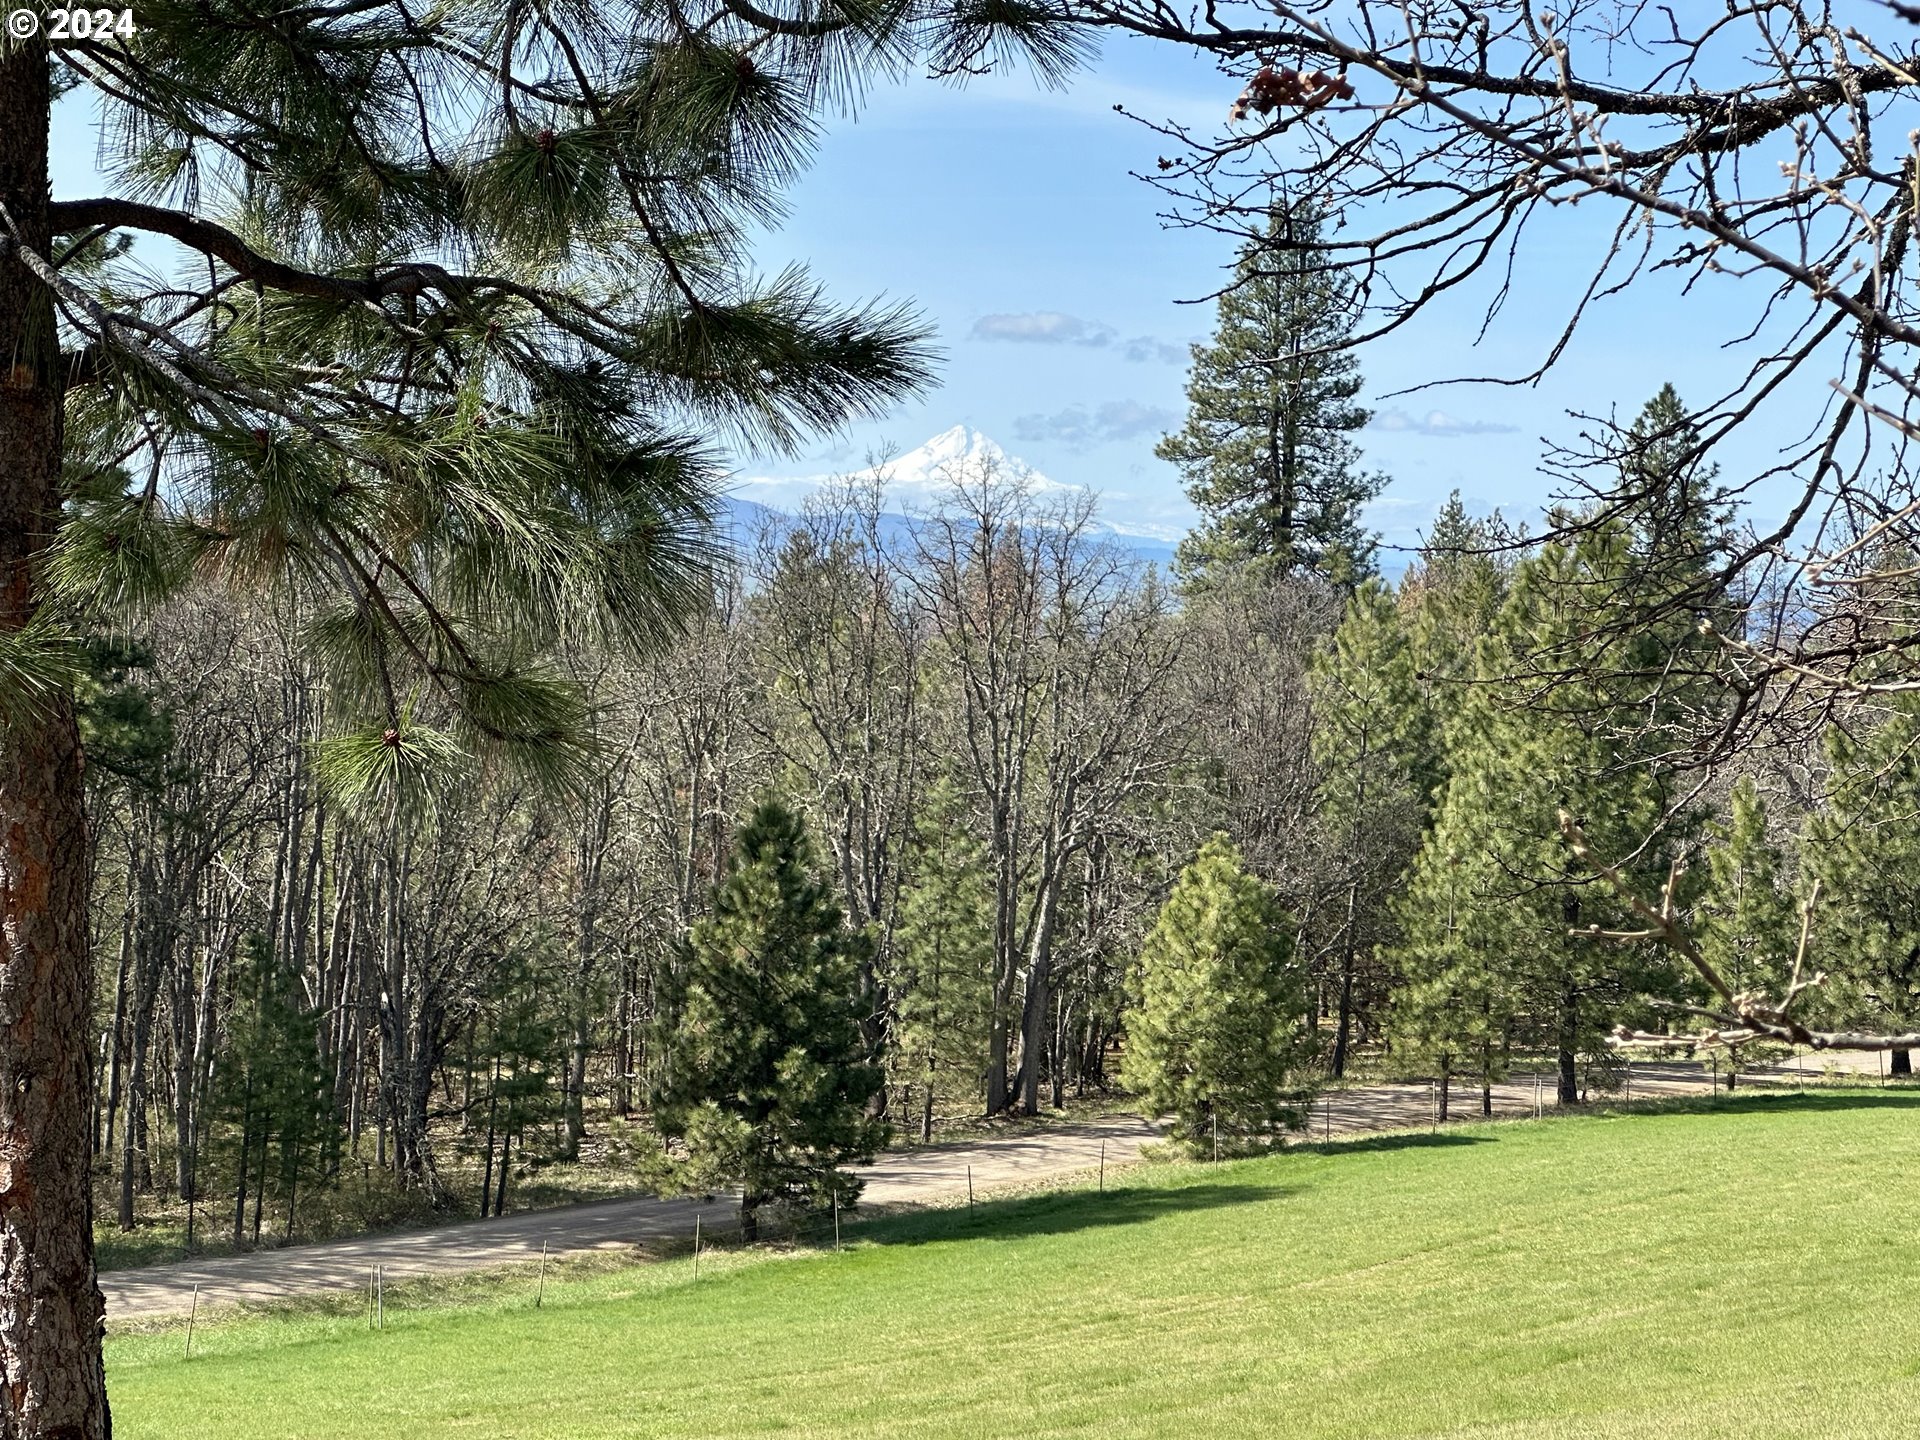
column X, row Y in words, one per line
column 696, row 1245
column 1103, row 1167
column 1800, row 1069
column 1880, row 1059
column 541, row 1293
column 380, row 1295
column 192, row 1315
column 1629, row 1082
column 969, row 1189
column 1216, row 1134
column 1537, row 1111
column 836, row 1219
column 370, row 1299
column 1433, row 1107
column 1329, row 1119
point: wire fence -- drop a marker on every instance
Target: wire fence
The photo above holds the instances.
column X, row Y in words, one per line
column 779, row 1226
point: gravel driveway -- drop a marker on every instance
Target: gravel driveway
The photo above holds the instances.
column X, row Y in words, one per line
column 898, row 1178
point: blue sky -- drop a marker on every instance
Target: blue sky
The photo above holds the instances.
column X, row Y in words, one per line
column 1007, row 211
column 1008, row 215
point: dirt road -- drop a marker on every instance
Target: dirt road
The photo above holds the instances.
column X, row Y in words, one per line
column 898, row 1178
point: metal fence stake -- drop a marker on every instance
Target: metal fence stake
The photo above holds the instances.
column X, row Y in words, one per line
column 696, row 1246
column 541, row 1293
column 192, row 1315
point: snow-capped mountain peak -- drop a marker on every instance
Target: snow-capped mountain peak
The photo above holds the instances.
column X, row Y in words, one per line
column 960, row 453
column 915, row 479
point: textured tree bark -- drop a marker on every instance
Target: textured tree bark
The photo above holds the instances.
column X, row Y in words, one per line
column 52, row 1384
column 1901, row 1062
column 1569, row 1087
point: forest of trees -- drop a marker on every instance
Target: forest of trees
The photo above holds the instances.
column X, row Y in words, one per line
column 1009, row 738
column 379, row 710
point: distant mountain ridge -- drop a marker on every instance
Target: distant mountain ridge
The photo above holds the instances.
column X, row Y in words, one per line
column 915, row 481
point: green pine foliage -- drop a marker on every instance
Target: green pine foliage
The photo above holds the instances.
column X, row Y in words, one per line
column 943, row 948
column 1487, row 956
column 763, row 1073
column 272, row 1123
column 1376, row 748
column 447, row 320
column 1864, row 848
column 1215, row 1036
column 1267, row 451
column 1746, row 923
column 1584, row 681
column 1453, row 592
column 511, row 1061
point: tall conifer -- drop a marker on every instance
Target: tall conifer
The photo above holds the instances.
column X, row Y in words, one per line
column 1267, row 452
column 1215, row 1035
column 764, row 1074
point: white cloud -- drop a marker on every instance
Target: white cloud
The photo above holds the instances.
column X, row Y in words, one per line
column 1053, row 327
column 1079, row 428
column 1043, row 327
column 1437, row 424
column 1146, row 347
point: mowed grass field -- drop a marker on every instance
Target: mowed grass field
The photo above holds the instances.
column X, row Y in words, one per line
column 1752, row 1270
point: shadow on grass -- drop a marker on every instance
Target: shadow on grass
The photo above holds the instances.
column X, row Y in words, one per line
column 1017, row 1217
column 1394, row 1140
column 1760, row 1100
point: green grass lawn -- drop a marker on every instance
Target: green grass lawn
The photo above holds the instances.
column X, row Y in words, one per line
column 1754, row 1271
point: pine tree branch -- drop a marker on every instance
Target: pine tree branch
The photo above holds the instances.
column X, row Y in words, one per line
column 221, row 243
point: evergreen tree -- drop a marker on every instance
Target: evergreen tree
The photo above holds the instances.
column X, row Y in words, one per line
column 440, row 312
column 944, row 948
column 1373, row 740
column 1745, row 923
column 514, row 1055
column 1453, row 592
column 1586, row 680
column 1864, row 847
column 1668, row 495
column 1457, row 1004
column 1267, row 451
column 272, row 1103
column 1493, row 895
column 1215, row 1035
column 763, row 1072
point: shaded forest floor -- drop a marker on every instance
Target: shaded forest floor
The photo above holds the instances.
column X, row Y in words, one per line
column 1646, row 1274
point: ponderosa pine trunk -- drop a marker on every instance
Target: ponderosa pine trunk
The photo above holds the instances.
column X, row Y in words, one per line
column 1569, row 1087
column 1901, row 1063
column 52, row 1384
